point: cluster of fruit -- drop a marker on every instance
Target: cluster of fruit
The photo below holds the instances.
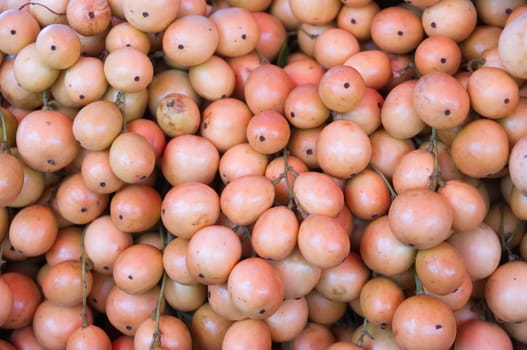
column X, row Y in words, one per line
column 263, row 174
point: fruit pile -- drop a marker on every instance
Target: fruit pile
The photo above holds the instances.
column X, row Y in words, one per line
column 263, row 174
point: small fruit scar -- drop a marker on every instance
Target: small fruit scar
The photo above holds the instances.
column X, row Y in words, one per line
column 438, row 326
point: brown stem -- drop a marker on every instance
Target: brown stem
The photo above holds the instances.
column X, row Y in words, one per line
column 293, row 201
column 4, row 146
column 120, row 101
column 393, row 194
column 156, row 337
column 44, row 6
column 364, row 332
column 419, row 289
column 435, row 178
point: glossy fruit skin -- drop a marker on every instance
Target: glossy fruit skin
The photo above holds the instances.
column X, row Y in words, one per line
column 502, row 292
column 423, row 321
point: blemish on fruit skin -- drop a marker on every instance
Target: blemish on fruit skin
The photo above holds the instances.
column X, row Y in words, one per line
column 201, row 275
column 438, row 326
column 261, row 138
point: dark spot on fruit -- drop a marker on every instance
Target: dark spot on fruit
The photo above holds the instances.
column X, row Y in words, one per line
column 353, row 21
column 379, row 104
column 163, row 211
column 411, row 245
column 261, row 138
column 506, row 101
column 130, row 277
column 447, row 112
column 433, row 25
column 261, row 312
column 205, row 125
column 53, row 47
column 400, row 33
column 508, row 11
column 83, row 210
column 292, row 114
column 94, row 300
column 12, row 248
column 120, row 216
column 128, row 45
column 455, row 290
column 51, row 162
column 201, row 275
column 12, row 32
column 142, row 177
column 373, row 216
column 383, row 325
column 208, row 294
column 81, row 97
column 514, row 278
column 106, row 267
column 346, row 85
column 181, row 46
column 443, row 60
column 223, row 96
column 244, row 36
column 102, row 184
column 137, row 78
column 145, row 14
column 128, row 327
column 309, row 151
column 438, row 326
column 91, row 15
